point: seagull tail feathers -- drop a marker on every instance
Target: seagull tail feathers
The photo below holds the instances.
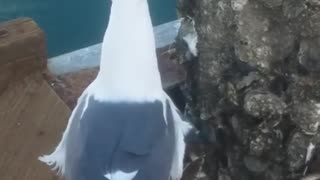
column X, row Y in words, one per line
column 182, row 128
column 56, row 160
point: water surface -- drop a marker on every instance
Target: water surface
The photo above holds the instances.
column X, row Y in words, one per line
column 74, row 24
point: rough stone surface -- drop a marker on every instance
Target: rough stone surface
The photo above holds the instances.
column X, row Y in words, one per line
column 261, row 34
column 309, row 54
column 265, row 105
column 306, row 116
column 296, row 150
column 253, row 88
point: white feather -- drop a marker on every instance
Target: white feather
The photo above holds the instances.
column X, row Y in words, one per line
column 129, row 67
column 128, row 72
column 120, row 175
column 181, row 130
column 57, row 158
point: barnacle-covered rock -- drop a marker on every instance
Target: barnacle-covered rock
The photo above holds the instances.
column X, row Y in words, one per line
column 305, row 89
column 297, row 150
column 241, row 128
column 293, row 9
column 262, row 104
column 263, row 141
column 261, row 35
column 255, row 164
column 316, row 139
column 252, row 80
column 275, row 172
column 309, row 54
column 237, row 5
column 230, row 93
column 272, row 3
column 257, row 79
column 306, row 115
column 311, row 26
column 313, row 2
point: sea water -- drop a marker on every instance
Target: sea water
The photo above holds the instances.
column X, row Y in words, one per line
column 73, row 24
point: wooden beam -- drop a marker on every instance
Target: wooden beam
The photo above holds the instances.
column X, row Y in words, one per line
column 32, row 116
column 22, row 50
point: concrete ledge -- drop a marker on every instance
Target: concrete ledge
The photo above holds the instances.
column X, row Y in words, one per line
column 89, row 57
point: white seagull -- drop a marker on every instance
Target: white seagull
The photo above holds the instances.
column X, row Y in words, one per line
column 124, row 127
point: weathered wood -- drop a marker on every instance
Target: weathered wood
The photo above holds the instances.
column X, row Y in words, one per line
column 32, row 116
column 32, row 119
column 22, row 50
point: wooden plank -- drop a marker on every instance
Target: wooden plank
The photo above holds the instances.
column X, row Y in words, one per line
column 21, row 38
column 22, row 50
column 32, row 119
column 32, row 116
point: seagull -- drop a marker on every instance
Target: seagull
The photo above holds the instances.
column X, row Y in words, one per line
column 124, row 126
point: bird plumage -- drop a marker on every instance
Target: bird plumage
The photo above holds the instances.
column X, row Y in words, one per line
column 124, row 127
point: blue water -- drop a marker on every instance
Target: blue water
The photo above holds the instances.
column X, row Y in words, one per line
column 74, row 24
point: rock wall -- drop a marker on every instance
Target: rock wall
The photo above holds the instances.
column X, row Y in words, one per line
column 253, row 87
